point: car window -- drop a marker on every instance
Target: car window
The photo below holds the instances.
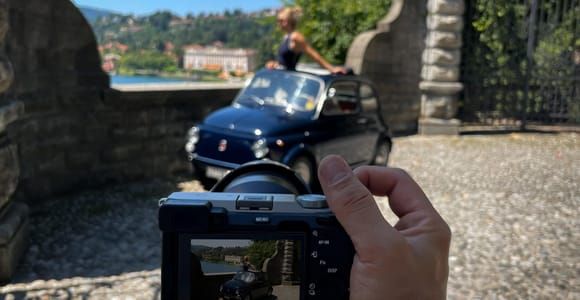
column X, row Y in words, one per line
column 368, row 98
column 245, row 276
column 292, row 91
column 342, row 99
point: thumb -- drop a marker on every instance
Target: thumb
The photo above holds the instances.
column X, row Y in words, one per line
column 354, row 206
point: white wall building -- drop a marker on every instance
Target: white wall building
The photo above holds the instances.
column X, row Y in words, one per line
column 200, row 58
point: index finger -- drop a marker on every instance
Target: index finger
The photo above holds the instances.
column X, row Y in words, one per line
column 405, row 195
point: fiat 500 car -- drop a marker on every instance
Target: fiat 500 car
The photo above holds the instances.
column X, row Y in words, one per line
column 295, row 118
column 246, row 285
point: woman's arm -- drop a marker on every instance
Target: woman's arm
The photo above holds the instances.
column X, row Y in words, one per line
column 299, row 44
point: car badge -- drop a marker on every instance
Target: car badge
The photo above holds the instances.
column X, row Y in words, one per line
column 223, row 145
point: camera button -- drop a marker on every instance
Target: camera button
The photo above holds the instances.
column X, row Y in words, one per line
column 312, row 201
column 254, row 202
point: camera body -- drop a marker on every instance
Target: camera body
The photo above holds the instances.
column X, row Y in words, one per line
column 293, row 245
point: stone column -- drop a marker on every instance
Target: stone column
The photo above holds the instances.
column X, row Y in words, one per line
column 440, row 84
column 13, row 216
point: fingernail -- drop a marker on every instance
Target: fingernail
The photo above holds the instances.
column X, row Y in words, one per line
column 333, row 169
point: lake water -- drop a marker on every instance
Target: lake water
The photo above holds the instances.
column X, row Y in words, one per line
column 209, row 267
column 122, row 79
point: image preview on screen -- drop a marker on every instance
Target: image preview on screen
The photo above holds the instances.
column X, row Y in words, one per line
column 246, row 269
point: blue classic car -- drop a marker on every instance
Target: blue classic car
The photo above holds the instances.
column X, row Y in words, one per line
column 247, row 285
column 295, row 118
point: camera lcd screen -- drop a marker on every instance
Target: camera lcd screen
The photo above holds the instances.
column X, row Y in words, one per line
column 246, row 269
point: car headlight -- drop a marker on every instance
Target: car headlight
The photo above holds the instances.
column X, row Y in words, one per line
column 192, row 139
column 260, row 148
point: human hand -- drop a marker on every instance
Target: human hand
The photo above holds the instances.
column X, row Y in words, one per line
column 338, row 70
column 405, row 261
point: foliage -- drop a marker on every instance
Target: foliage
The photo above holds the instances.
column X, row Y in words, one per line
column 147, row 61
column 331, row 25
column 233, row 28
column 495, row 56
column 259, row 251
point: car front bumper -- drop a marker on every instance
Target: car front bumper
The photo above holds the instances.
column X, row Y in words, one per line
column 211, row 168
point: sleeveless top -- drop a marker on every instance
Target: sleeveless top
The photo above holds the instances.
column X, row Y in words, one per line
column 287, row 57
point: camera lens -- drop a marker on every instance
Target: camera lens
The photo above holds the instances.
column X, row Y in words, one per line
column 262, row 176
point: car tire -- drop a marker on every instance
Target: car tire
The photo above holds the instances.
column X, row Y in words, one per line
column 304, row 168
column 382, row 152
column 270, row 291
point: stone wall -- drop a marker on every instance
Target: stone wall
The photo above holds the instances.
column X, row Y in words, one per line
column 391, row 57
column 440, row 86
column 13, row 216
column 75, row 131
column 63, row 128
column 123, row 136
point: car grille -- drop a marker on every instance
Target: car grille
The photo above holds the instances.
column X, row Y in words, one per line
column 238, row 149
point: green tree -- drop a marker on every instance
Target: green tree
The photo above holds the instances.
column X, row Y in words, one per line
column 259, row 251
column 331, row 25
column 495, row 59
column 149, row 61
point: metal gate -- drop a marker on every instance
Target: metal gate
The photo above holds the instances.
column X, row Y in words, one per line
column 521, row 63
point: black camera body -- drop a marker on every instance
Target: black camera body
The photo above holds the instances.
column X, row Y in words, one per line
column 300, row 226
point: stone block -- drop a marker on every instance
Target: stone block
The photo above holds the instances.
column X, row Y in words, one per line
column 6, row 73
column 441, row 88
column 452, row 23
column 439, row 107
column 4, row 25
column 436, row 56
column 447, row 7
column 432, row 126
column 9, row 173
column 13, row 234
column 10, row 113
column 443, row 39
column 440, row 73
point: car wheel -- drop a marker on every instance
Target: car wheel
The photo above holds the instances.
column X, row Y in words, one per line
column 382, row 154
column 303, row 167
column 270, row 291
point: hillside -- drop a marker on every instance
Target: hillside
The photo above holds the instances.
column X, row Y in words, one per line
column 92, row 14
column 166, row 32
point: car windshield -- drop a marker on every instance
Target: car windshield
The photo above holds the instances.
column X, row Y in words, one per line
column 294, row 92
column 245, row 276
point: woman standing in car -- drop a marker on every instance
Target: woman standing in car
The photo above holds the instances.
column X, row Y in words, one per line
column 294, row 44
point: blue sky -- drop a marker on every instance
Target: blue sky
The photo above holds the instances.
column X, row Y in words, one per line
column 180, row 7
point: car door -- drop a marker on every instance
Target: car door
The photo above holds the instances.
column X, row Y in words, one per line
column 370, row 113
column 343, row 122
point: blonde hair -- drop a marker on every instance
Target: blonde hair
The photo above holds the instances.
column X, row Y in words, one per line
column 292, row 14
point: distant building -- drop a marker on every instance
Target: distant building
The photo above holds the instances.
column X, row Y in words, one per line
column 114, row 47
column 233, row 259
column 196, row 57
column 110, row 62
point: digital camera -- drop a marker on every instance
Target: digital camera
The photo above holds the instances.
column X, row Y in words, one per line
column 258, row 234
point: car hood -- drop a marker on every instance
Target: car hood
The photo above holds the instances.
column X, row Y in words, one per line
column 234, row 284
column 268, row 120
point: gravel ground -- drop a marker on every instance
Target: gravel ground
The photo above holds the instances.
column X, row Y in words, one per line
column 511, row 201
